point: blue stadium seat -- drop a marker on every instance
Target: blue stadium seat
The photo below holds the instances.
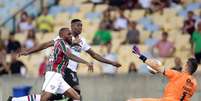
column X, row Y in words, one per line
column 144, row 21
column 72, row 9
column 93, row 16
column 193, row 6
column 54, row 10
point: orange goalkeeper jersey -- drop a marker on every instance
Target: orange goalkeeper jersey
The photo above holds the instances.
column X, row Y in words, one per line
column 181, row 86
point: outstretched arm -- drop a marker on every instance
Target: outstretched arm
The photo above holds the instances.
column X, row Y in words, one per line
column 68, row 53
column 101, row 59
column 153, row 63
column 36, row 48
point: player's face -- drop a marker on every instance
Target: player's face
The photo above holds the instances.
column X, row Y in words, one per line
column 76, row 28
column 186, row 67
column 67, row 35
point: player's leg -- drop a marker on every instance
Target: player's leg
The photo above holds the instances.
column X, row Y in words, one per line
column 77, row 89
column 68, row 91
column 144, row 99
column 45, row 96
column 72, row 79
column 51, row 85
column 72, row 94
column 32, row 97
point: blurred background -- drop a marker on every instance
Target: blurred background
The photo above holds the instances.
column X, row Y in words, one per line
column 169, row 30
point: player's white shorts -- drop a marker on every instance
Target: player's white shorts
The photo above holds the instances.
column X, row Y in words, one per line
column 54, row 83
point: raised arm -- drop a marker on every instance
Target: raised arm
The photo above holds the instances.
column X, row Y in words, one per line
column 153, row 63
column 36, row 48
column 101, row 59
column 68, row 53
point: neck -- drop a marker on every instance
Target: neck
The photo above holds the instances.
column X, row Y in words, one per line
column 76, row 35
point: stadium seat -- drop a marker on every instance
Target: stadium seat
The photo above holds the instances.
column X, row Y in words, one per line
column 54, row 10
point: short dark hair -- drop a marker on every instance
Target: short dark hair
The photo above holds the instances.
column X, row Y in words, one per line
column 75, row 20
column 192, row 63
column 62, row 30
column 165, row 33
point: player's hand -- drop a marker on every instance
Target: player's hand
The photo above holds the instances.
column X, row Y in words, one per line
column 90, row 67
column 136, row 50
column 22, row 52
column 116, row 64
column 76, row 41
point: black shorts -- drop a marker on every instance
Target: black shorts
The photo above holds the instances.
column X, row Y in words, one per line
column 71, row 77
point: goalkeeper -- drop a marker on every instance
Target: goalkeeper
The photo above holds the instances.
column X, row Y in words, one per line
column 181, row 85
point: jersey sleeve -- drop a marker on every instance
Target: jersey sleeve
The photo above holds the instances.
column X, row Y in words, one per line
column 55, row 39
column 85, row 45
column 169, row 73
column 64, row 47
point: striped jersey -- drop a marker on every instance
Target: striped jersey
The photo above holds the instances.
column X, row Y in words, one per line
column 60, row 59
column 75, row 49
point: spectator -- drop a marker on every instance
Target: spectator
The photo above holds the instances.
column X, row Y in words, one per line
column 107, row 20
column 16, row 66
column 189, row 24
column 131, row 4
column 31, row 39
column 12, row 44
column 102, row 36
column 151, row 42
column 42, row 68
column 196, row 41
column 45, row 22
column 145, row 3
column 121, row 22
column 114, row 4
column 132, row 68
column 178, row 64
column 165, row 47
column 4, row 68
column 1, row 40
column 25, row 23
column 133, row 34
column 107, row 68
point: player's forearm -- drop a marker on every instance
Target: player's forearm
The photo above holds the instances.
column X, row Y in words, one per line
column 77, row 59
column 39, row 47
column 101, row 59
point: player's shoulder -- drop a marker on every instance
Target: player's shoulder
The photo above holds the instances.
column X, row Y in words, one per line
column 83, row 39
column 59, row 41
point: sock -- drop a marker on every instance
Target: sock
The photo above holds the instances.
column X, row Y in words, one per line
column 33, row 97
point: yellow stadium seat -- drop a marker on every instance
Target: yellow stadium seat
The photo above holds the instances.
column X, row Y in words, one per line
column 61, row 19
column 101, row 8
column 137, row 14
column 21, row 37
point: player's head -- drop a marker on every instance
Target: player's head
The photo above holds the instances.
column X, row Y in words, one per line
column 191, row 66
column 164, row 36
column 76, row 27
column 65, row 33
column 190, row 14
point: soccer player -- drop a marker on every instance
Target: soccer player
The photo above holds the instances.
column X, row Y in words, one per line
column 181, row 85
column 79, row 44
column 54, row 82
